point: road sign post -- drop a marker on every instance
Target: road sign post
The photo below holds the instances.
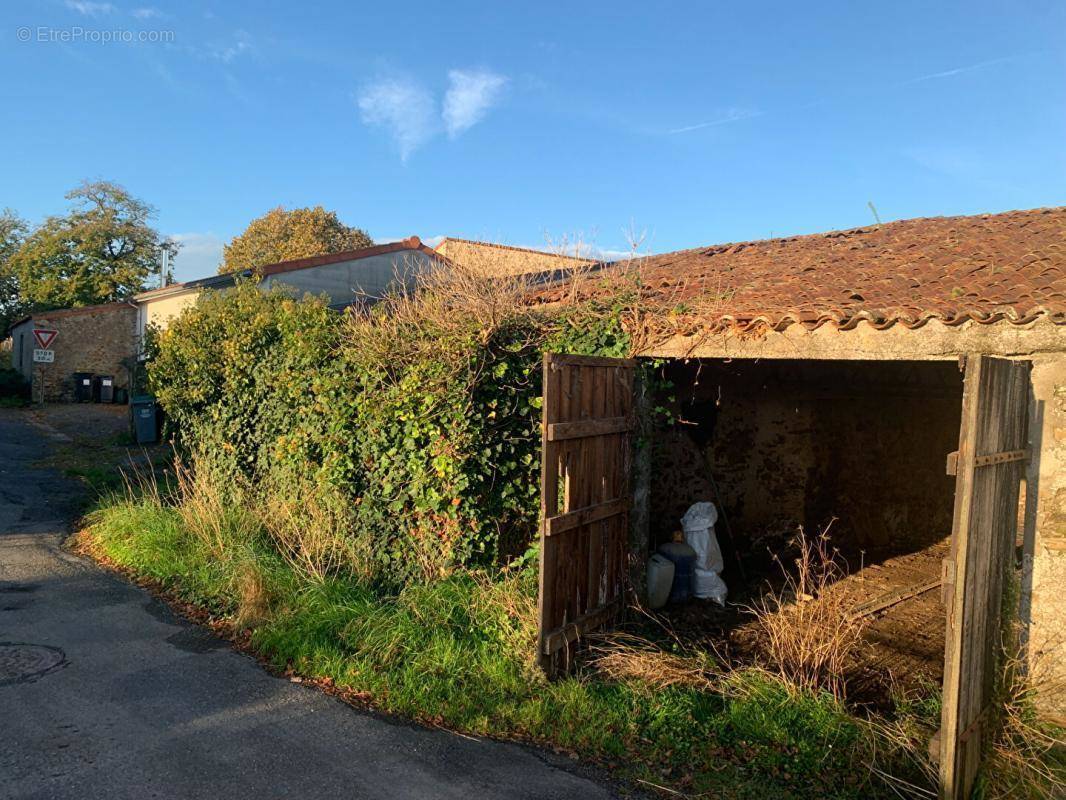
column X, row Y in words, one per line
column 43, row 354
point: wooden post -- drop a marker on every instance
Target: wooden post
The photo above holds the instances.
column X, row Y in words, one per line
column 640, row 516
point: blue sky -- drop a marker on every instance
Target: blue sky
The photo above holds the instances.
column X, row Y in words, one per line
column 695, row 123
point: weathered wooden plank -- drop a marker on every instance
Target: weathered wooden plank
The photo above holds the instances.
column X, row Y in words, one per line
column 565, row 359
column 889, row 599
column 582, row 429
column 994, row 425
column 584, row 516
column 574, row 630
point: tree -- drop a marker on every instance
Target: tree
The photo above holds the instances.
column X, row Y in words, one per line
column 282, row 235
column 101, row 251
column 12, row 231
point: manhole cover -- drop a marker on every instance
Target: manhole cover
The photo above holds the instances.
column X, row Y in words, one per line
column 24, row 662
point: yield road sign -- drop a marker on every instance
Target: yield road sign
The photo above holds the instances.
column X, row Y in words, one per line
column 43, row 356
column 44, row 336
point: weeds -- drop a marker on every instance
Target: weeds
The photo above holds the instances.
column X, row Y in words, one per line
column 809, row 637
column 458, row 652
column 1028, row 755
column 311, row 526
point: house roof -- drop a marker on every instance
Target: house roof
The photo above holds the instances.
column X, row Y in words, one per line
column 503, row 260
column 227, row 279
column 60, row 313
column 1009, row 266
column 476, row 243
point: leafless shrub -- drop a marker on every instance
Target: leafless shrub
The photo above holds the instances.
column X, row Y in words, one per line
column 451, row 300
column 809, row 637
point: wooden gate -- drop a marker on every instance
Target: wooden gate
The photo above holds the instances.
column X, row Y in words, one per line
column 988, row 468
column 585, row 499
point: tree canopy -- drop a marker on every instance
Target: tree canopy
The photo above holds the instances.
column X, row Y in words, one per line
column 12, row 231
column 282, row 235
column 102, row 250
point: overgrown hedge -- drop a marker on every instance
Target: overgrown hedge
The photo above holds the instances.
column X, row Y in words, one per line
column 423, row 420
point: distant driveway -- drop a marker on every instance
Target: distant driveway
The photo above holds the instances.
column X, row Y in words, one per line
column 104, row 693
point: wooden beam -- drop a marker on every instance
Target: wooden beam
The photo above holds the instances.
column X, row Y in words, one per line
column 888, row 599
column 558, row 360
column 584, row 516
column 572, row 631
column 558, row 431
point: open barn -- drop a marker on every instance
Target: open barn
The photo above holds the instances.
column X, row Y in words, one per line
column 900, row 388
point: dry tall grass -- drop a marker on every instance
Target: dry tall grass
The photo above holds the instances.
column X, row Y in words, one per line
column 809, row 638
column 630, row 658
column 218, row 517
column 311, row 527
column 1028, row 755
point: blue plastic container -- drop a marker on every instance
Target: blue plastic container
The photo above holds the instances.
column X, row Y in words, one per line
column 684, row 560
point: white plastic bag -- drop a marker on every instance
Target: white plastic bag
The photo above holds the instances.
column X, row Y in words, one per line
column 708, row 585
column 698, row 525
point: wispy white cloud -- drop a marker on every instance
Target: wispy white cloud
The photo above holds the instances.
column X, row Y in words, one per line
column 199, row 257
column 402, row 107
column 723, row 118
column 90, row 9
column 948, row 73
column 737, row 114
column 226, row 52
column 470, row 95
column 147, row 13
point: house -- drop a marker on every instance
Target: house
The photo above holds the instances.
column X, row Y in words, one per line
column 105, row 340
column 903, row 384
column 501, row 259
column 94, row 340
column 347, row 278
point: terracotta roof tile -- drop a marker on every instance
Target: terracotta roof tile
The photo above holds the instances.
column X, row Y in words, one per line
column 1009, row 266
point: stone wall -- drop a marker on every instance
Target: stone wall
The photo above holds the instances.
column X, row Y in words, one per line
column 801, row 443
column 96, row 339
column 1043, row 587
column 1044, row 561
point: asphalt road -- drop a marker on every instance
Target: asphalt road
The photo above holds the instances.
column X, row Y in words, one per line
column 104, row 693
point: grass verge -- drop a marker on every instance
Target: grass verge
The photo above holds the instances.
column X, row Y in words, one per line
column 458, row 652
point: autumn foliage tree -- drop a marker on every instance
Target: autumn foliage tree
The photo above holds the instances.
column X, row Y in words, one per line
column 102, row 250
column 12, row 231
column 282, row 235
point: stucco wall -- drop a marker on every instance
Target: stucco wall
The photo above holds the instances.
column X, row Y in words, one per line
column 934, row 340
column 350, row 281
column 100, row 340
column 159, row 311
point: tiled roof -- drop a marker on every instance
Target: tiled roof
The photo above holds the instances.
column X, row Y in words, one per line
column 1009, row 266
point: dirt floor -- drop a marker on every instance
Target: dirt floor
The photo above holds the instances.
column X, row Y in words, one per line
column 903, row 643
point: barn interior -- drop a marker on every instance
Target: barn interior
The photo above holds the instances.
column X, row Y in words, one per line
column 854, row 449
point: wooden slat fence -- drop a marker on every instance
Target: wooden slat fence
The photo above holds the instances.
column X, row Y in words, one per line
column 585, row 499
